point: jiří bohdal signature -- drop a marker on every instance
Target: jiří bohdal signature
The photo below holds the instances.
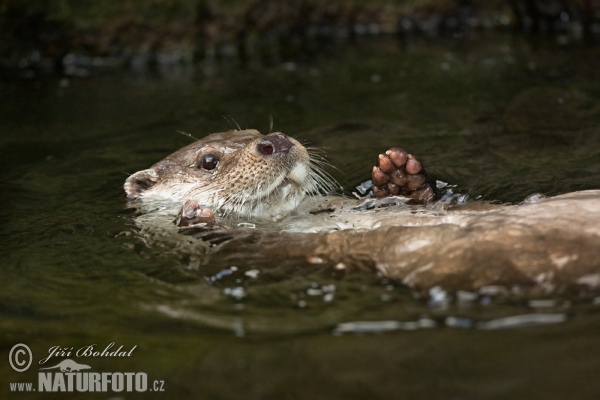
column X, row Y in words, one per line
column 87, row 351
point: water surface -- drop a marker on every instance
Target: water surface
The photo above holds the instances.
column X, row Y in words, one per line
column 500, row 117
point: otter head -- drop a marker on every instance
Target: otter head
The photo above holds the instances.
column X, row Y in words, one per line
column 242, row 173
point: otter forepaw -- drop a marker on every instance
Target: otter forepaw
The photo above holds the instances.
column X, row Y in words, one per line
column 400, row 173
column 192, row 214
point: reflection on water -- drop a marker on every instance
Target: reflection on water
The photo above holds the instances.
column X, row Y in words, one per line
column 500, row 117
column 518, row 321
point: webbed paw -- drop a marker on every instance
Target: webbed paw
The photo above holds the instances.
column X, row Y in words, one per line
column 400, row 173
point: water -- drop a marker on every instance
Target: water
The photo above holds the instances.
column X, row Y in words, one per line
column 498, row 116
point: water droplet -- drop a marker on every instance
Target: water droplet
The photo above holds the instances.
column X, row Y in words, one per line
column 253, row 273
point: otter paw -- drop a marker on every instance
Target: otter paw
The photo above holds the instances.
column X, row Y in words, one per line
column 192, row 214
column 400, row 173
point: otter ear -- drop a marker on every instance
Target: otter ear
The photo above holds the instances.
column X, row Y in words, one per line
column 140, row 182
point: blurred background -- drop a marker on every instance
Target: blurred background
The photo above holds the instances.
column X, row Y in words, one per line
column 73, row 37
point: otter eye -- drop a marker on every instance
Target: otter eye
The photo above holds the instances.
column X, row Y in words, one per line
column 266, row 148
column 209, row 162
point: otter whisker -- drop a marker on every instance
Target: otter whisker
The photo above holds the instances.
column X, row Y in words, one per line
column 319, row 160
column 322, row 184
column 322, row 178
column 315, row 150
column 232, row 122
column 184, row 133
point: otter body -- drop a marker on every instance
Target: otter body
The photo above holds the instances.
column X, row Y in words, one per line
column 548, row 242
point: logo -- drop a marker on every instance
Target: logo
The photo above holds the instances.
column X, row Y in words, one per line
column 17, row 356
column 69, row 375
column 69, row 366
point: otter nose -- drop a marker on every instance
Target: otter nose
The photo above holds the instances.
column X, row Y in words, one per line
column 279, row 143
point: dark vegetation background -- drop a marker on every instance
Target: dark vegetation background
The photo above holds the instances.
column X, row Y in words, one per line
column 55, row 35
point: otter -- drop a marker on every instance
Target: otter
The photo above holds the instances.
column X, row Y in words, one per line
column 222, row 186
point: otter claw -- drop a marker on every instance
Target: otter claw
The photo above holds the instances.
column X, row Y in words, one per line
column 413, row 166
column 192, row 214
column 379, row 177
column 400, row 173
column 385, row 164
column 398, row 156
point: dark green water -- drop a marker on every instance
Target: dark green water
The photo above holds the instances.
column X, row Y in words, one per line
column 500, row 117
